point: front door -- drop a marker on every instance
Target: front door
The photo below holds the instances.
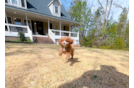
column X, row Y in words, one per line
column 39, row 26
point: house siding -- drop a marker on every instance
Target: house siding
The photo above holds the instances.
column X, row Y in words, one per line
column 56, row 2
column 67, row 28
column 45, row 27
column 51, row 8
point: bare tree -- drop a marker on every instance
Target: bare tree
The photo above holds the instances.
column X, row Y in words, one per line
column 108, row 12
column 127, row 11
column 104, row 10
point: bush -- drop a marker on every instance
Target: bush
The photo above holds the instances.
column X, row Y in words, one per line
column 94, row 46
column 29, row 40
column 22, row 36
column 119, row 43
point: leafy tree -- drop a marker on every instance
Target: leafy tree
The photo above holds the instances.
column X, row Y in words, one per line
column 98, row 29
column 80, row 13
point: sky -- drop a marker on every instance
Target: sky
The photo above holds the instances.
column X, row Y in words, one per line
column 131, row 12
column 115, row 11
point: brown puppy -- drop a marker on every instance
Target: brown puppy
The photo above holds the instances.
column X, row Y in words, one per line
column 66, row 47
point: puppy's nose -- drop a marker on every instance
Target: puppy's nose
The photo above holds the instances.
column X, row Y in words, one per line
column 64, row 43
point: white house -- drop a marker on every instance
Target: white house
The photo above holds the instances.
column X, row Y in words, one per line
column 40, row 20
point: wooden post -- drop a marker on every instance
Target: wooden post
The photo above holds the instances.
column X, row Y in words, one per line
column 69, row 30
column 26, row 21
column 48, row 26
column 60, row 28
column 29, row 30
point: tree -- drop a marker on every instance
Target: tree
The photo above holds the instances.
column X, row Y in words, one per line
column 80, row 13
column 97, row 28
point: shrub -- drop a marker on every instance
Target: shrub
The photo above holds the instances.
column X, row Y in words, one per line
column 29, row 40
column 94, row 46
column 119, row 43
column 22, row 36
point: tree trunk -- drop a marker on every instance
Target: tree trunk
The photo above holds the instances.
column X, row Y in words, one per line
column 108, row 13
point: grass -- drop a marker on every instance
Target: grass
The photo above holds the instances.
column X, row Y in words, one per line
column 40, row 66
column 18, row 40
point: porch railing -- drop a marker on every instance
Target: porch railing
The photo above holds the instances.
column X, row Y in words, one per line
column 51, row 35
column 65, row 33
column 12, row 30
column 57, row 34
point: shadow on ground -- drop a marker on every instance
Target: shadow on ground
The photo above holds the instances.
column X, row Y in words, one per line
column 107, row 77
column 74, row 60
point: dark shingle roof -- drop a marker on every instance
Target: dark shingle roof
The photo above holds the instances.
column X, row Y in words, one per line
column 40, row 6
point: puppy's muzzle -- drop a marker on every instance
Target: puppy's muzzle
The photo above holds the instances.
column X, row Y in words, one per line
column 64, row 43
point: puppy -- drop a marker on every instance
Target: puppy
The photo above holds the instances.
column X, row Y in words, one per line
column 66, row 47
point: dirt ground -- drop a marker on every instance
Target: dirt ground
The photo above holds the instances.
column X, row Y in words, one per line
column 40, row 66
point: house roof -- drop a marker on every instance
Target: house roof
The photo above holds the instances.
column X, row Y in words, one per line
column 40, row 7
column 53, row 1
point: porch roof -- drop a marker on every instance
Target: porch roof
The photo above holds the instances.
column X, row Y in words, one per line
column 40, row 7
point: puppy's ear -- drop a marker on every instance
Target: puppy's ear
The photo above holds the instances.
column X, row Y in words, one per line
column 60, row 41
column 70, row 40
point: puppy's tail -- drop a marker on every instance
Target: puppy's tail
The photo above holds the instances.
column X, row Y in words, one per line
column 75, row 45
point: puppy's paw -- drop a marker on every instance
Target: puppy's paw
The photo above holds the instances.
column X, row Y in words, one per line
column 67, row 58
column 60, row 54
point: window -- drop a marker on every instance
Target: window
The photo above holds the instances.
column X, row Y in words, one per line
column 5, row 20
column 6, row 28
column 29, row 23
column 16, row 2
column 8, row 1
column 9, row 20
column 20, row 3
column 5, row 1
column 56, row 9
column 17, row 21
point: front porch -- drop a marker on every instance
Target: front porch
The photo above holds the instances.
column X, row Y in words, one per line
column 37, row 26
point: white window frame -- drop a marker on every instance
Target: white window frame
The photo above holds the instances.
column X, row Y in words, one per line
column 19, row 18
column 17, row 5
column 55, row 10
column 11, row 19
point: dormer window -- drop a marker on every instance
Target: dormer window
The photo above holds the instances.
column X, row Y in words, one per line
column 18, row 3
column 56, row 9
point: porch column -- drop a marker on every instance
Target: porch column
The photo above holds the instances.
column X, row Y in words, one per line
column 7, row 22
column 26, row 21
column 48, row 26
column 60, row 28
column 69, row 30
column 77, row 32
